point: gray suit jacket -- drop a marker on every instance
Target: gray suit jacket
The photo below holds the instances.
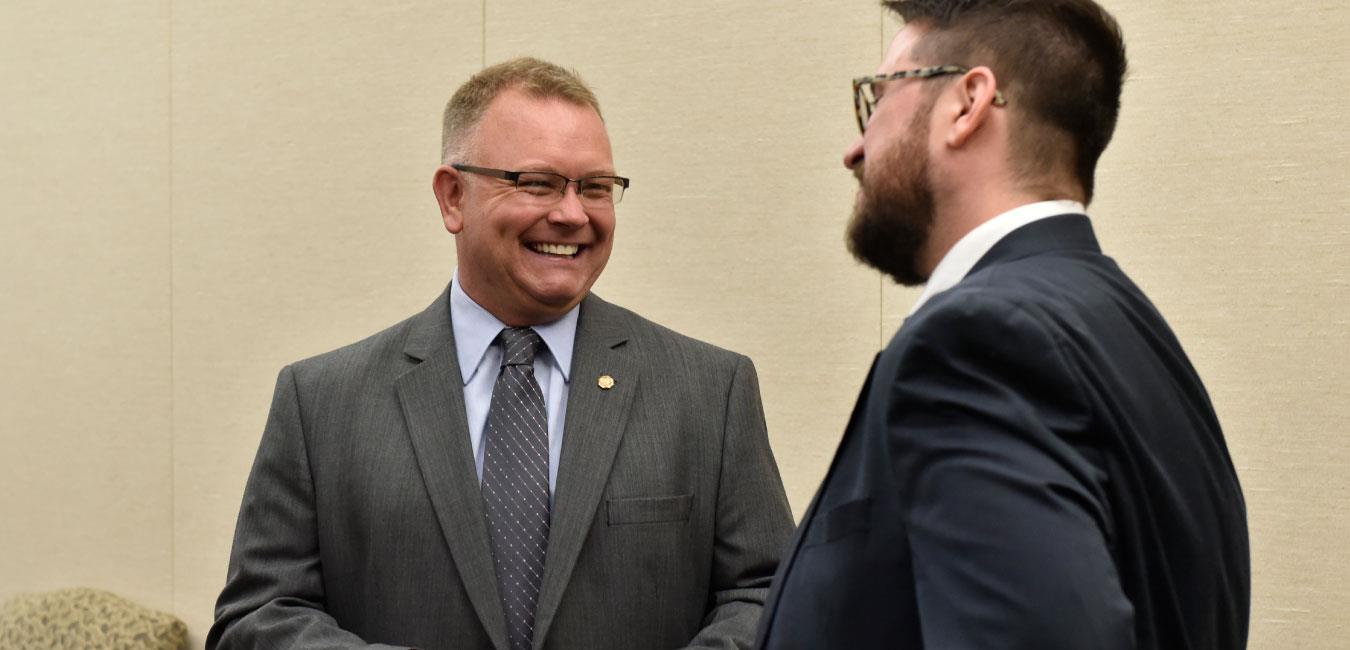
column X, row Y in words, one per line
column 362, row 519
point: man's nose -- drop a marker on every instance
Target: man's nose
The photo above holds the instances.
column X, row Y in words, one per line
column 853, row 156
column 569, row 211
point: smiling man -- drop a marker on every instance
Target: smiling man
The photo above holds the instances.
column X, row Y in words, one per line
column 521, row 465
column 1033, row 462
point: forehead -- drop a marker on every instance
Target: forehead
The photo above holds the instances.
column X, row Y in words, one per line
column 519, row 128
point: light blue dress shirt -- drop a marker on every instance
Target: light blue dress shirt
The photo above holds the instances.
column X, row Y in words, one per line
column 480, row 362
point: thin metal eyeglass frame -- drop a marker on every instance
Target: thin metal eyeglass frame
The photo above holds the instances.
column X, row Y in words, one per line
column 863, row 107
column 514, row 178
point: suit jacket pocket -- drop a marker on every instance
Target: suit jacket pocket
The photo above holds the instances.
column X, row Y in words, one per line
column 650, row 510
column 840, row 521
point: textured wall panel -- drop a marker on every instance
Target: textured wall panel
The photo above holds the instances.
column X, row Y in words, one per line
column 85, row 484
column 731, row 120
column 1225, row 196
column 305, row 139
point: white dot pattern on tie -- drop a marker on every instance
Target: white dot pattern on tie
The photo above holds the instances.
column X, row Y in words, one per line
column 515, row 483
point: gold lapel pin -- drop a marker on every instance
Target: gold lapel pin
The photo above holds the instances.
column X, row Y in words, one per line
column 605, row 382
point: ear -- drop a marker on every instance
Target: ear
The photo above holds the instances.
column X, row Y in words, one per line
column 978, row 97
column 447, row 184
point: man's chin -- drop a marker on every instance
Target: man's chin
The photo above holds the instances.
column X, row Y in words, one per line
column 884, row 249
column 557, row 299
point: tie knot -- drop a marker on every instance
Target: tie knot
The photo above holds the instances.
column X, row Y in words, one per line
column 519, row 345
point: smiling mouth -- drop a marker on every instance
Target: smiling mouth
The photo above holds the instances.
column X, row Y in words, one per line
column 556, row 250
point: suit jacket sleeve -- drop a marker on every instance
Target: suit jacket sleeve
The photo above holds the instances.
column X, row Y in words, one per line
column 1007, row 516
column 274, row 592
column 753, row 519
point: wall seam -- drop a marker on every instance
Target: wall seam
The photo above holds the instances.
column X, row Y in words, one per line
column 173, row 419
column 482, row 63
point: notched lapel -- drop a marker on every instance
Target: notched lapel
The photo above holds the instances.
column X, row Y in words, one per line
column 432, row 398
column 785, row 563
column 596, row 418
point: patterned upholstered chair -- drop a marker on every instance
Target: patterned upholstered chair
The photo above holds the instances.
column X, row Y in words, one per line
column 86, row 619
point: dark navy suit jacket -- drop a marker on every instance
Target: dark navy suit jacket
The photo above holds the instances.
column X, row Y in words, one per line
column 1033, row 463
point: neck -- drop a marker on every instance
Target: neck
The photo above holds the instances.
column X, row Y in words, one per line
column 513, row 315
column 956, row 217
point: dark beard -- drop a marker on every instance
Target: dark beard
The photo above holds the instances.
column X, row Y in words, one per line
column 892, row 221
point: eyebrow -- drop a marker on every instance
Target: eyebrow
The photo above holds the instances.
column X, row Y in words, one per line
column 549, row 170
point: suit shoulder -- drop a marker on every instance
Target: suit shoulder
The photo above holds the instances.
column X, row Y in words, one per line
column 1054, row 289
column 971, row 303
column 659, row 341
column 356, row 358
column 1072, row 275
column 987, row 322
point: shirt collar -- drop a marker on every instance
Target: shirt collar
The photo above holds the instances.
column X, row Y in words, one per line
column 969, row 249
column 476, row 328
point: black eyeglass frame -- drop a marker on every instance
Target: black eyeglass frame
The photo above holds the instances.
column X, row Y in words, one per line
column 514, row 178
column 863, row 106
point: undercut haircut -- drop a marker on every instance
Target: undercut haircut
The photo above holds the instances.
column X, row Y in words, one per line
column 537, row 79
column 1061, row 63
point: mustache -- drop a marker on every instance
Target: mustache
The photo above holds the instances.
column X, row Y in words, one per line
column 858, row 172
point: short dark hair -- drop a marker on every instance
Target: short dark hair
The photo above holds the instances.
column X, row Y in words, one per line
column 1061, row 62
column 536, row 78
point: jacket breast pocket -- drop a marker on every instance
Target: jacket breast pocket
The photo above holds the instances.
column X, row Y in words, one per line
column 649, row 510
column 840, row 521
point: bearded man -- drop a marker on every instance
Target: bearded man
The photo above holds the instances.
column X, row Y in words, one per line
column 1033, row 462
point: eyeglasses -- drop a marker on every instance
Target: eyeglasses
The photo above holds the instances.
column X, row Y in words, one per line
column 548, row 187
column 865, row 97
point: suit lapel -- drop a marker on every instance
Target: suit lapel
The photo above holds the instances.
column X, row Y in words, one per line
column 595, row 422
column 432, row 398
column 785, row 563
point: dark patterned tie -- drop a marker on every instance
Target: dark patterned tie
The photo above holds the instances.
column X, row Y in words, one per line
column 515, row 482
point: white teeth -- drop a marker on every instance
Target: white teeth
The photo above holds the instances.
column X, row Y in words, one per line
column 556, row 249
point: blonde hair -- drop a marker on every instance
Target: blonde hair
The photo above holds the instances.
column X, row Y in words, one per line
column 536, row 78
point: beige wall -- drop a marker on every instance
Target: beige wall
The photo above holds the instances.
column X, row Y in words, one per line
column 193, row 194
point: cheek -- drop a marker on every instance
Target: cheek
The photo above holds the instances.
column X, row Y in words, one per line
column 603, row 227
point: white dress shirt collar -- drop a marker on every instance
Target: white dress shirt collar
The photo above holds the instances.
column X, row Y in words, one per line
column 475, row 329
column 969, row 249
